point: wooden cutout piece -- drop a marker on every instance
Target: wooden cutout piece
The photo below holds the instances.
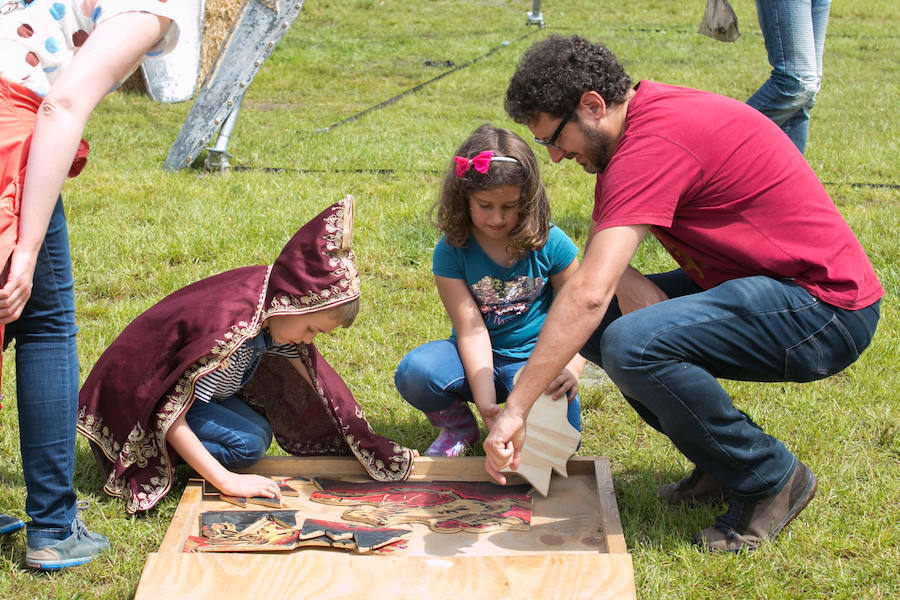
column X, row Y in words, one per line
column 284, row 484
column 210, row 493
column 445, row 506
column 550, row 440
column 365, row 539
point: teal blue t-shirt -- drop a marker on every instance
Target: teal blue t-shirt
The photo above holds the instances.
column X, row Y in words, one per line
column 513, row 300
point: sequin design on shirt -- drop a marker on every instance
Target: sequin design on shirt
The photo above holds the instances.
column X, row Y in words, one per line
column 500, row 301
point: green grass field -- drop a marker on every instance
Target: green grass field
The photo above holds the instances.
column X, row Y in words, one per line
column 139, row 233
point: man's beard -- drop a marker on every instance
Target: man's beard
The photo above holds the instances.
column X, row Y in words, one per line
column 599, row 151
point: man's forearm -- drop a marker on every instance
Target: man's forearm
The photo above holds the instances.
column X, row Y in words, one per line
column 568, row 326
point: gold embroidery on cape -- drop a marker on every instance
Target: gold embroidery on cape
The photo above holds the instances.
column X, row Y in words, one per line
column 400, row 462
column 141, row 447
column 340, row 260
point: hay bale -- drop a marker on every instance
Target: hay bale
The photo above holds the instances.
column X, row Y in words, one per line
column 219, row 17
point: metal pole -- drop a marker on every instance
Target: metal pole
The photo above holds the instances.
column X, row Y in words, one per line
column 535, row 17
column 218, row 157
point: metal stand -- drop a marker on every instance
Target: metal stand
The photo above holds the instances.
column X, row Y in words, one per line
column 256, row 31
column 535, row 17
column 218, row 157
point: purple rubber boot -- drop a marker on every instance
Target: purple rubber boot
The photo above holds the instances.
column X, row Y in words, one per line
column 458, row 430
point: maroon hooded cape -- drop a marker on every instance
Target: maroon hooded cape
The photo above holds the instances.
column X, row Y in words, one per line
column 145, row 380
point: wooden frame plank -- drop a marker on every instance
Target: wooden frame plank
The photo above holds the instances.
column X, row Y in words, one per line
column 509, row 569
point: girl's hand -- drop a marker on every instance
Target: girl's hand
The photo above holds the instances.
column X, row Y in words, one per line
column 489, row 415
column 564, row 385
column 247, row 486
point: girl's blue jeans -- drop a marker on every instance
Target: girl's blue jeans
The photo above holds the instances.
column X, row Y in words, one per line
column 431, row 378
column 47, row 387
column 665, row 360
column 794, row 33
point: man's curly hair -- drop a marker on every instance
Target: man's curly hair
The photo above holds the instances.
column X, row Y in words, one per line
column 554, row 73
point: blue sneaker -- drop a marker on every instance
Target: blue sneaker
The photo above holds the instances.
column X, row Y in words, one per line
column 79, row 548
column 10, row 524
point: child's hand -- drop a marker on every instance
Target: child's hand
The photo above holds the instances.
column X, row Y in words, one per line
column 564, row 383
column 489, row 415
column 247, row 486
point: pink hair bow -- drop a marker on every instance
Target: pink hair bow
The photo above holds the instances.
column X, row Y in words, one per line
column 481, row 163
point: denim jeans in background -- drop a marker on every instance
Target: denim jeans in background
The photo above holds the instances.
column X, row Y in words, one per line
column 431, row 378
column 47, row 387
column 665, row 359
column 794, row 33
column 236, row 435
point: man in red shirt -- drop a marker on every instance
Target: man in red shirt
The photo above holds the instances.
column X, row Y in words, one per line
column 772, row 285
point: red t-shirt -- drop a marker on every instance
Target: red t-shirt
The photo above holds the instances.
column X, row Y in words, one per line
column 728, row 195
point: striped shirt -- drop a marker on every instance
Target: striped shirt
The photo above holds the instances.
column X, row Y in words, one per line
column 227, row 380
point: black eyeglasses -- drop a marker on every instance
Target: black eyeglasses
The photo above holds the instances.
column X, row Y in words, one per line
column 552, row 141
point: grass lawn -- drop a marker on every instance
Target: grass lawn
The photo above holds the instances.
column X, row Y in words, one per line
column 139, row 233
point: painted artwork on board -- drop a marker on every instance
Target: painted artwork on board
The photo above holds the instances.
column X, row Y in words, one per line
column 444, row 506
column 280, row 530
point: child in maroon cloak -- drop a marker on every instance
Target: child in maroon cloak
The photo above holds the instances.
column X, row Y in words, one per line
column 182, row 377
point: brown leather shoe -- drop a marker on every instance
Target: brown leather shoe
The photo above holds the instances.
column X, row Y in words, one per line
column 748, row 524
column 699, row 488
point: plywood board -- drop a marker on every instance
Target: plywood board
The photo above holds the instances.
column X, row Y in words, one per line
column 574, row 549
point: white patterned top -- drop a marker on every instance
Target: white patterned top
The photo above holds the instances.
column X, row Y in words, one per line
column 38, row 38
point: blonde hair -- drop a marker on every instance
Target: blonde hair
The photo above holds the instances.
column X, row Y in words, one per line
column 345, row 314
column 450, row 213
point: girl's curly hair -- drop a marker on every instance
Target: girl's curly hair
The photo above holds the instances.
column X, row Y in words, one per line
column 554, row 73
column 450, row 213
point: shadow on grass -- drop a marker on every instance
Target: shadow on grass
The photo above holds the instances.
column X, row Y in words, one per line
column 651, row 522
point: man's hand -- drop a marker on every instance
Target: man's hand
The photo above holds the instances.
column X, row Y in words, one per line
column 503, row 445
column 635, row 291
column 565, row 385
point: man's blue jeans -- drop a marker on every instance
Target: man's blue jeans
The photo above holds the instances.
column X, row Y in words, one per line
column 47, row 387
column 431, row 378
column 665, row 359
column 794, row 32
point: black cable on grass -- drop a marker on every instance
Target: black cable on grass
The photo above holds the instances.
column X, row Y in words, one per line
column 853, row 184
column 419, row 86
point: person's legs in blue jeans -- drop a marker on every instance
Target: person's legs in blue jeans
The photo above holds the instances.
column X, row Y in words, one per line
column 666, row 358
column 675, row 284
column 47, row 386
column 236, row 435
column 47, row 399
column 794, row 34
column 432, row 379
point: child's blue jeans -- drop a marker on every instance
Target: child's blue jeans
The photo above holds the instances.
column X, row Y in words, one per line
column 432, row 377
column 236, row 435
